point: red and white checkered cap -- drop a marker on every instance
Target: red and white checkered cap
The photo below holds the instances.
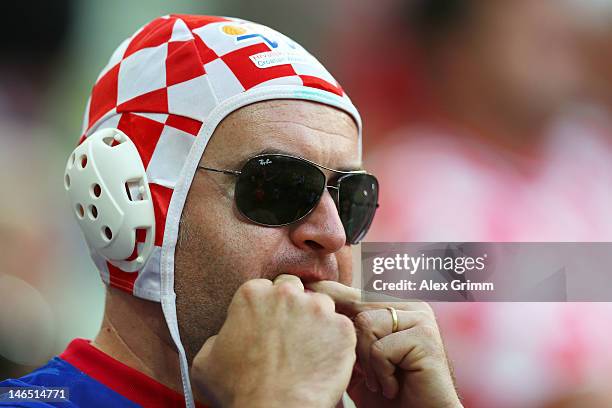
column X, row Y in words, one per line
column 167, row 88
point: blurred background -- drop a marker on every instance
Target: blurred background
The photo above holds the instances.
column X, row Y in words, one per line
column 484, row 121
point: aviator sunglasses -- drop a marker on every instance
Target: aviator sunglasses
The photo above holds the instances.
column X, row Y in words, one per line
column 277, row 189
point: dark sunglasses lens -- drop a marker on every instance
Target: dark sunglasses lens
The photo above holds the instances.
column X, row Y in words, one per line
column 276, row 190
column 357, row 202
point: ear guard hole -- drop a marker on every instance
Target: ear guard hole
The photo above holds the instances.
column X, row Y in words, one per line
column 93, row 212
column 107, row 233
column 135, row 190
column 111, row 141
column 83, row 161
column 96, row 190
column 70, row 163
column 80, row 211
column 67, row 181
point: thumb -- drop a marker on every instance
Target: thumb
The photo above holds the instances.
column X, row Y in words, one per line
column 347, row 299
column 199, row 361
column 200, row 372
column 207, row 347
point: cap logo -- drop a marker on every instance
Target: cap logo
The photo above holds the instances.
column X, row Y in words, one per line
column 244, row 32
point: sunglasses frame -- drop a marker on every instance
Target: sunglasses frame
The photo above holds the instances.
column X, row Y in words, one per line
column 318, row 166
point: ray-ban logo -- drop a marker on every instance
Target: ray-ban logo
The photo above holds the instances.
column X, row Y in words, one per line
column 265, row 162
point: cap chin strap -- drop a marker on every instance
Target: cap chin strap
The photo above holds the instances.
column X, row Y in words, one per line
column 168, row 303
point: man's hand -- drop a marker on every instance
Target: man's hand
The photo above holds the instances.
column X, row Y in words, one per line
column 407, row 368
column 279, row 347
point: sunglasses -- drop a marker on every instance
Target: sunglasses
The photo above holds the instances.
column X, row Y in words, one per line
column 277, row 189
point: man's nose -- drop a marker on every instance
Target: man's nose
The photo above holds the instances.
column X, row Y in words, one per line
column 321, row 230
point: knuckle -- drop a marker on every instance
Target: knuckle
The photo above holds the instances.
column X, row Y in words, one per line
column 321, row 304
column 377, row 349
column 363, row 321
column 428, row 331
column 286, row 290
column 252, row 285
column 431, row 341
column 317, row 307
column 346, row 328
column 435, row 353
column 424, row 318
column 288, row 294
column 427, row 308
column 417, row 305
column 250, row 290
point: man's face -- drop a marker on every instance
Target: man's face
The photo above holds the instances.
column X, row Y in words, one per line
column 219, row 249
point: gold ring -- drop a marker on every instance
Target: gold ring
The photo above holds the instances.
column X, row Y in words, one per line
column 394, row 318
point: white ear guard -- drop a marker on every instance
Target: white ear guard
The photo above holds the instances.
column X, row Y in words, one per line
column 107, row 184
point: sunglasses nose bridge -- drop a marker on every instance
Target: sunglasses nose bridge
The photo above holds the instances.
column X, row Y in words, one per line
column 322, row 224
column 333, row 192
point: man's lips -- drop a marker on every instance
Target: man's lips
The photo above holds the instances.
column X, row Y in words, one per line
column 313, row 273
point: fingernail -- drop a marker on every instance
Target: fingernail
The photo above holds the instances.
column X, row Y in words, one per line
column 371, row 387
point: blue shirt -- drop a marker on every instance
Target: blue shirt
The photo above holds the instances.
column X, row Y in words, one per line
column 94, row 380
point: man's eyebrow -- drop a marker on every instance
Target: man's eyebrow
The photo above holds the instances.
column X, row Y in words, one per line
column 272, row 150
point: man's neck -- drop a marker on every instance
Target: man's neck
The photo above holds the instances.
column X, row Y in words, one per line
column 134, row 332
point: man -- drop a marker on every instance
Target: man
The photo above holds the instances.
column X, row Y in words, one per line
column 256, row 308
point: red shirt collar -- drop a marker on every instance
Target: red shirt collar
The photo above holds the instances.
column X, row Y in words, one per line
column 122, row 379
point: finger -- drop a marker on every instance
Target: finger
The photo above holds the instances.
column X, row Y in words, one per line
column 349, row 300
column 365, row 339
column 248, row 292
column 407, row 350
column 256, row 284
column 322, row 302
column 291, row 280
column 199, row 364
column 208, row 345
column 384, row 369
column 380, row 321
column 372, row 325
